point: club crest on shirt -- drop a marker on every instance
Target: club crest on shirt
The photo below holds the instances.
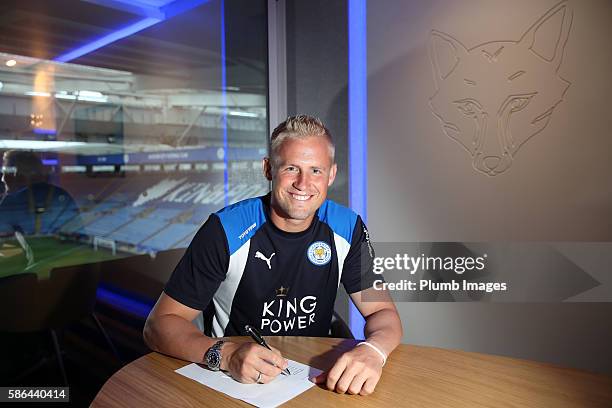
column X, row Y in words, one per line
column 319, row 253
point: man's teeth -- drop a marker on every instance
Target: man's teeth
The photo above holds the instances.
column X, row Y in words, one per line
column 300, row 197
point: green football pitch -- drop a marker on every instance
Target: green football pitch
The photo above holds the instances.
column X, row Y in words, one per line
column 49, row 253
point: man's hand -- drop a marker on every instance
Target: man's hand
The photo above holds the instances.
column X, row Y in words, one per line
column 358, row 371
column 355, row 372
column 245, row 361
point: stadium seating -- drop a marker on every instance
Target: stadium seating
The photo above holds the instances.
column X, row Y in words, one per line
column 148, row 212
column 171, row 236
column 138, row 230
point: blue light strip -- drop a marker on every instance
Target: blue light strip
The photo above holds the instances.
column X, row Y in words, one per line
column 130, row 6
column 180, row 6
column 167, row 11
column 107, row 39
column 123, row 302
column 358, row 126
column 224, row 104
column 41, row 131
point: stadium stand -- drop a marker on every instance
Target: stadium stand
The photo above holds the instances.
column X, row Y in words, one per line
column 148, row 212
column 108, row 223
column 138, row 230
column 166, row 214
column 88, row 191
column 174, row 236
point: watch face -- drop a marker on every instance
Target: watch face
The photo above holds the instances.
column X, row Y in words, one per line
column 213, row 356
column 213, row 359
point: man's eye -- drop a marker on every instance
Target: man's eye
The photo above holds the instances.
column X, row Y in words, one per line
column 317, row 171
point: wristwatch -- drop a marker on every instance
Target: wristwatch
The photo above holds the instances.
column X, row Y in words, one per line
column 212, row 358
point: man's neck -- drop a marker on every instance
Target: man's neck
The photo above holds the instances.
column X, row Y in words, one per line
column 287, row 224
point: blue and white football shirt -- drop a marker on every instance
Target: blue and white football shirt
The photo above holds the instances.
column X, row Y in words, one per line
column 241, row 269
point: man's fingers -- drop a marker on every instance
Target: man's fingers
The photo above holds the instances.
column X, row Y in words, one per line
column 264, row 379
column 277, row 351
column 369, row 385
column 347, row 377
column 273, row 357
column 354, row 372
column 255, row 376
column 357, row 383
column 266, row 368
column 284, row 361
column 335, row 373
column 251, row 358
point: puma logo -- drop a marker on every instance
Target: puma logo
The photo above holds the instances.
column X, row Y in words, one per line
column 261, row 256
column 494, row 97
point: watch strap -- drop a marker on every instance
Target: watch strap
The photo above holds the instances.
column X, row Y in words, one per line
column 216, row 348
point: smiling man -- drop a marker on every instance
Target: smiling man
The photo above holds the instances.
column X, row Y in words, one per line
column 275, row 262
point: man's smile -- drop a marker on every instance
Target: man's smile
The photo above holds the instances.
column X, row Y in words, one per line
column 301, row 197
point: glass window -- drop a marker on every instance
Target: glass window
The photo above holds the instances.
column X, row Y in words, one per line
column 124, row 126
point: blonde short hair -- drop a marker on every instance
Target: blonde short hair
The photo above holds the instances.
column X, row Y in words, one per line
column 299, row 127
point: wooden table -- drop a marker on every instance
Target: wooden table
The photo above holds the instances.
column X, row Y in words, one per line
column 413, row 377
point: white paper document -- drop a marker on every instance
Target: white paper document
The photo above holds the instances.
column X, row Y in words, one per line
column 272, row 394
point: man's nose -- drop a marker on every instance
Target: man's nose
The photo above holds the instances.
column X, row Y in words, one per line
column 301, row 181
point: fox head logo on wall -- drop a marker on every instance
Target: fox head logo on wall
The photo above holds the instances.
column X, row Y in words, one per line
column 494, row 97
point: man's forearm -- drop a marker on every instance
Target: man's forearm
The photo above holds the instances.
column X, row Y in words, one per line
column 384, row 329
column 177, row 337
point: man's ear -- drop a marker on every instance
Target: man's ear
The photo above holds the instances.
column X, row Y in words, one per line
column 332, row 174
column 267, row 168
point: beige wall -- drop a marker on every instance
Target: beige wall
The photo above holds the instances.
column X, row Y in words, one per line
column 491, row 121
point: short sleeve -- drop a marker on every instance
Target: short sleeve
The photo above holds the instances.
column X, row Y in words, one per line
column 202, row 268
column 357, row 273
